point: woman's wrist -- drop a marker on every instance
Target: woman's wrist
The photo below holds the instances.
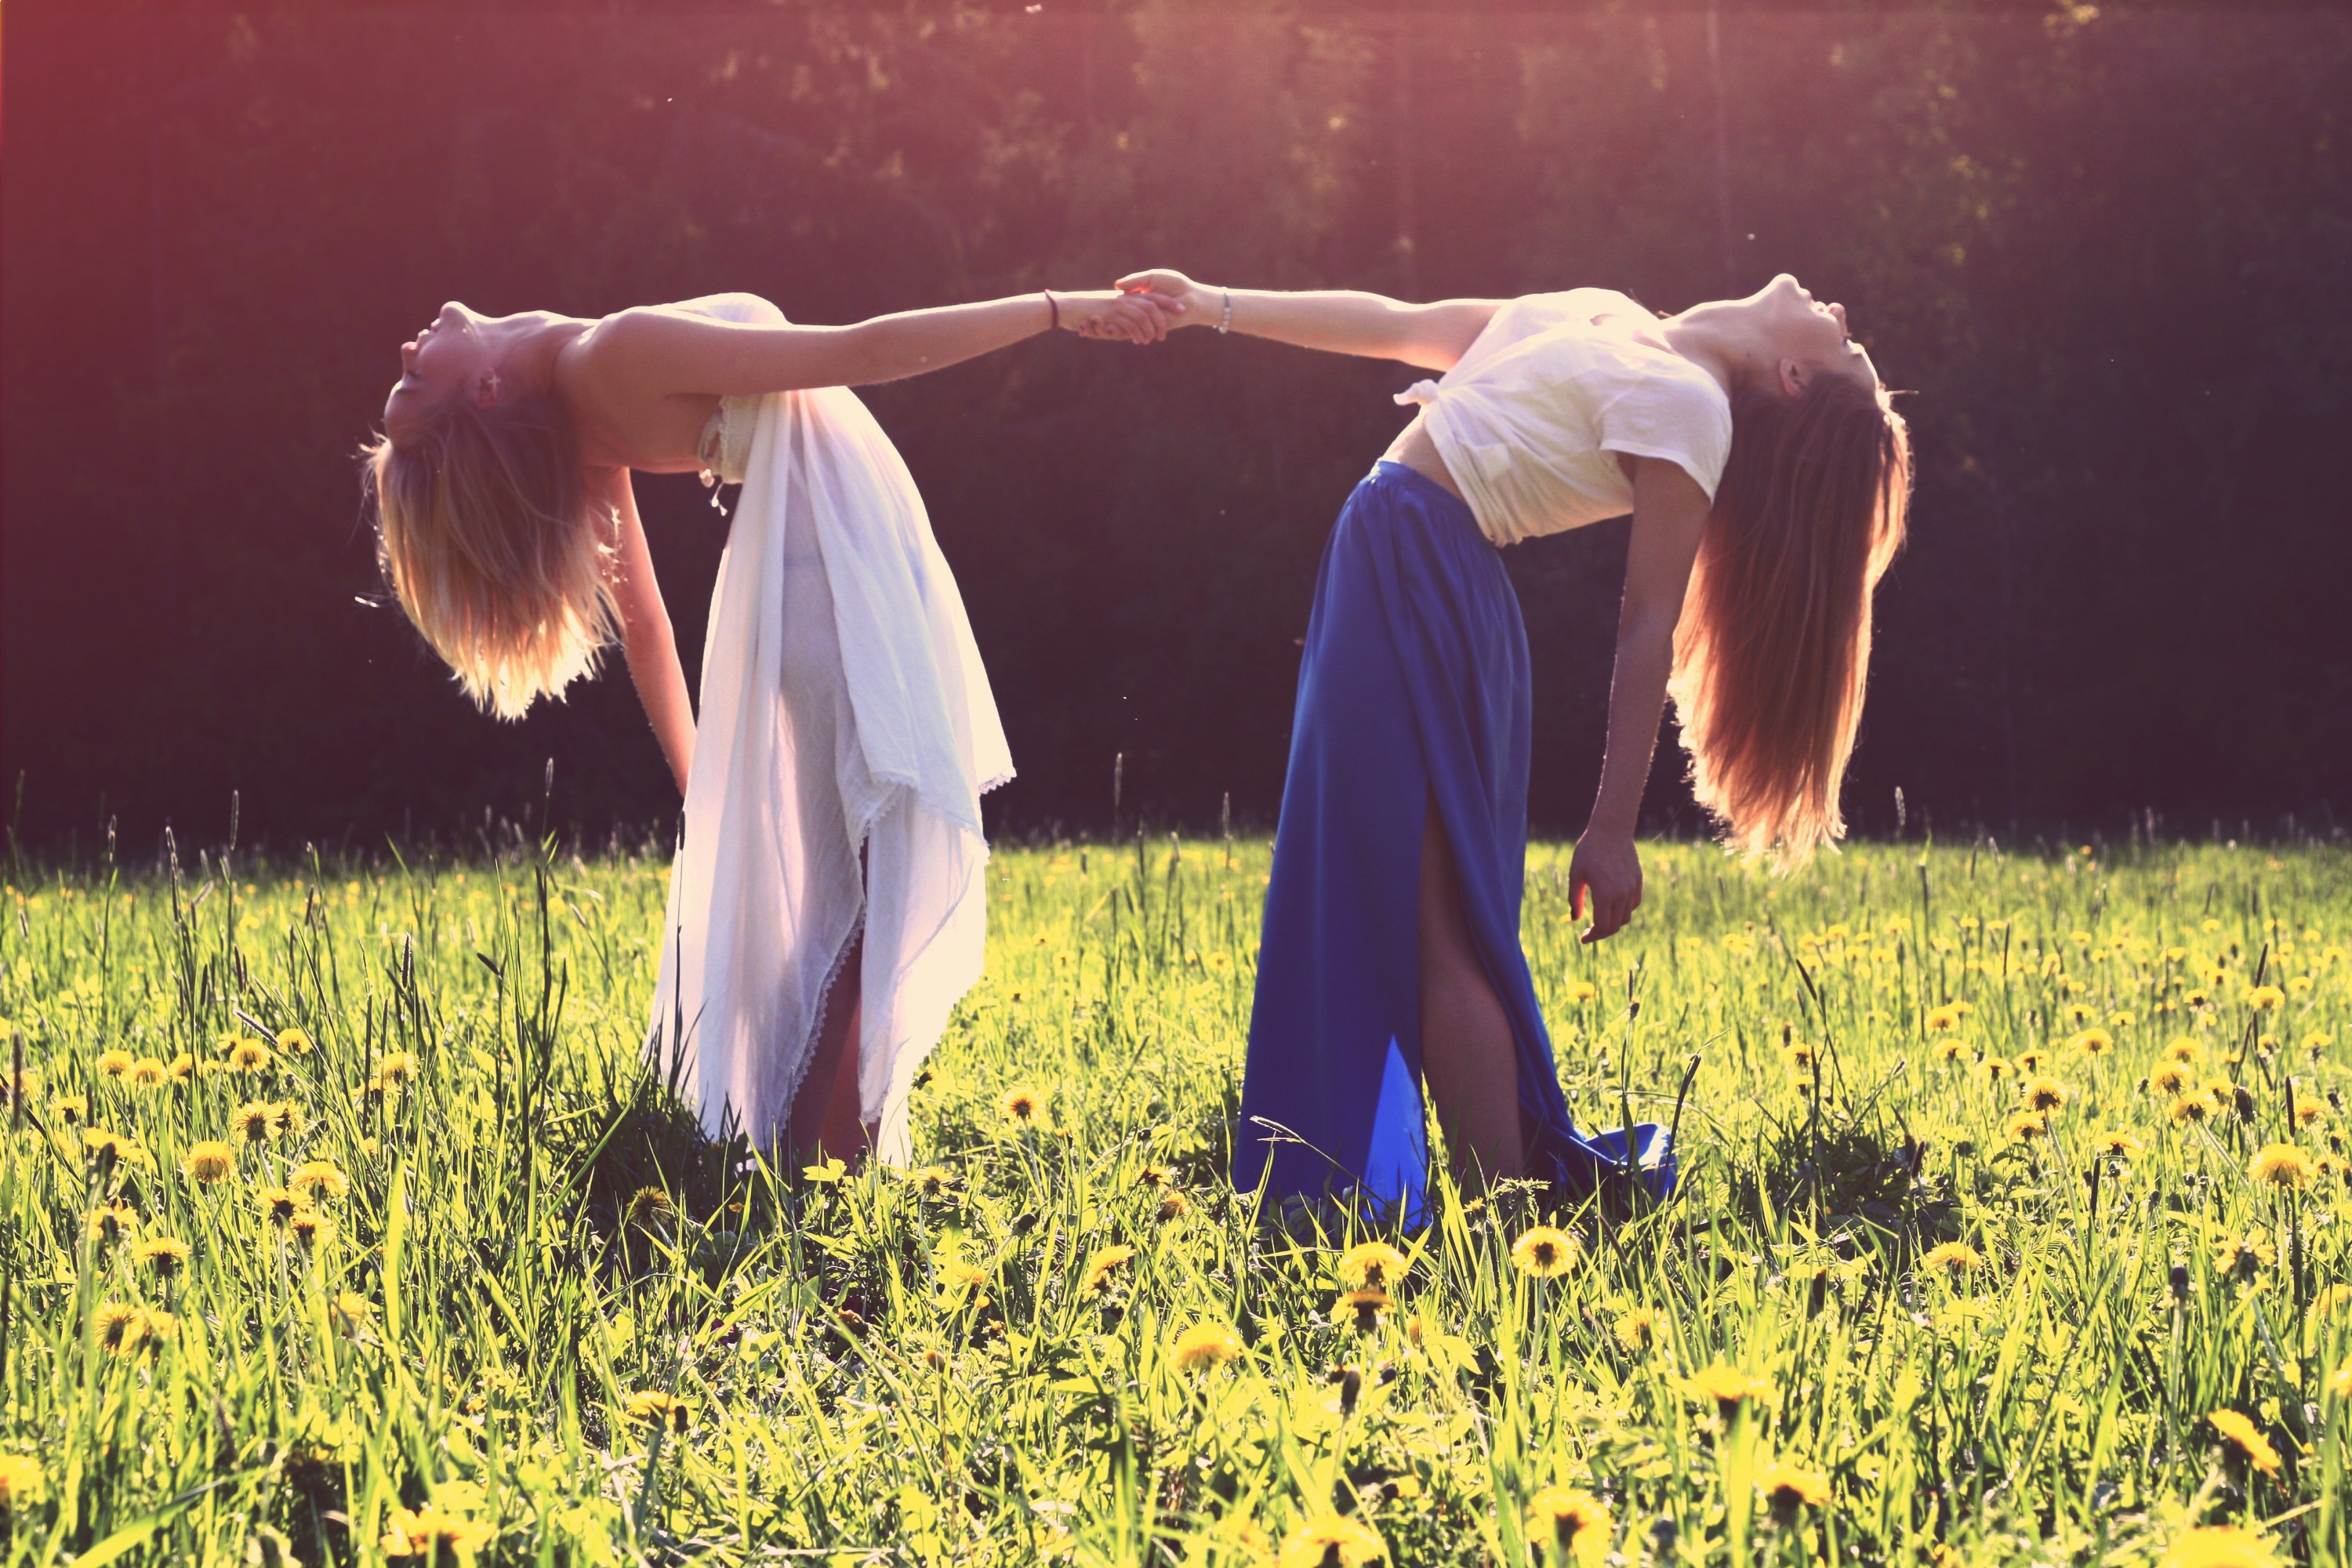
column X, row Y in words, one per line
column 1607, row 822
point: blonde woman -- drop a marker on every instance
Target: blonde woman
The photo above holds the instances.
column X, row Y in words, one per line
column 826, row 907
column 1767, row 475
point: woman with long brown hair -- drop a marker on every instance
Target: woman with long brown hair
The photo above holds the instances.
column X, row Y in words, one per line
column 1766, row 474
column 826, row 907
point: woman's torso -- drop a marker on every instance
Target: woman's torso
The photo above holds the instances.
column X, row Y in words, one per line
column 653, row 433
column 1538, row 427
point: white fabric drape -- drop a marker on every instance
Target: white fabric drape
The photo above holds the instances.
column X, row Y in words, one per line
column 844, row 703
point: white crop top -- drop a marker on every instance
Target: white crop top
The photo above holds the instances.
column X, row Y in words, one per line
column 1530, row 419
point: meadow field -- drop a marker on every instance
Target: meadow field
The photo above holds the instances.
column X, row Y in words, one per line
column 344, row 1221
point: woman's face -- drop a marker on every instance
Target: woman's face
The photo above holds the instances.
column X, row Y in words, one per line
column 1801, row 336
column 452, row 357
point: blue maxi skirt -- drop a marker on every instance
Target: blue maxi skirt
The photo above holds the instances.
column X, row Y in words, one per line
column 1415, row 686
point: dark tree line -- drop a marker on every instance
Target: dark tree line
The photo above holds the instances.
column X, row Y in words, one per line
column 2106, row 249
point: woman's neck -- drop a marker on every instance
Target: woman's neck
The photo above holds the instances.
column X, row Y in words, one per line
column 1709, row 341
column 528, row 360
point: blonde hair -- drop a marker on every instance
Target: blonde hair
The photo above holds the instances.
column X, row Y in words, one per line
column 485, row 534
column 1773, row 651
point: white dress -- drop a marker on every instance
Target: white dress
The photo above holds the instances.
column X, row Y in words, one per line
column 844, row 704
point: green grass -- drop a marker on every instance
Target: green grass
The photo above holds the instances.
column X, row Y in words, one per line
column 911, row 1370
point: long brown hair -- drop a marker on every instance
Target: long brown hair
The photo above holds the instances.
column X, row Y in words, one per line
column 485, row 534
column 1773, row 646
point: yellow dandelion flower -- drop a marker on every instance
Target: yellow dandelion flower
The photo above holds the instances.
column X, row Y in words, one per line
column 960, row 1281
column 1099, row 1267
column 209, row 1161
column 21, row 1481
column 2033, row 1060
column 653, row 1408
column 1021, row 1105
column 1952, row 1257
column 397, row 1069
column 1372, row 1263
column 183, row 1068
column 435, row 1534
column 1637, row 1328
column 2330, row 1301
column 1205, row 1345
column 2242, row 1255
column 2309, row 1109
column 1368, row 1305
column 2120, row 1145
column 931, row 1180
column 278, row 1205
column 2041, row 1094
column 163, row 1254
column 1730, row 1387
column 292, row 1042
column 147, row 1073
column 1581, row 991
column 2093, row 1042
column 1156, row 1176
column 2247, row 1438
column 1544, row 1252
column 2024, row 1127
column 310, row 1227
column 114, row 1063
column 110, row 1223
column 1335, row 1541
column 1174, row 1205
column 253, row 1122
column 2197, row 997
column 1951, row 1050
column 111, row 1149
column 2283, row 1165
column 1995, row 1068
column 287, row 1120
column 2190, row 1109
column 2169, row 1079
column 2219, row 1546
column 1578, row 1524
column 70, row 1109
column 352, row 1311
column 119, row 1326
column 248, row 1056
column 1788, row 1488
column 1943, row 1020
column 2264, row 998
column 320, row 1178
column 2317, row 1043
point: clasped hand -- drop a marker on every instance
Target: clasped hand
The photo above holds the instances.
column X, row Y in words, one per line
column 1115, row 315
column 1143, row 309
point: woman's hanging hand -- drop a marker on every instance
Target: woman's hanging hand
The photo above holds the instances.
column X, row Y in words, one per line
column 1607, row 866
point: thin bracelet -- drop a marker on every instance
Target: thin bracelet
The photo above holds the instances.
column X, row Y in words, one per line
column 1226, row 324
column 1056, row 325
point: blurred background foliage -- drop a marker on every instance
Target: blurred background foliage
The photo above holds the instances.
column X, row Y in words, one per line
column 2105, row 248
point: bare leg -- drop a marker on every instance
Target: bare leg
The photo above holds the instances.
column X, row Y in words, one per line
column 823, row 1122
column 1467, row 1054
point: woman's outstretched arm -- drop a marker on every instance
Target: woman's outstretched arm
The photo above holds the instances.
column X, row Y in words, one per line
column 646, row 641
column 1336, row 321
column 1669, row 513
column 657, row 351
